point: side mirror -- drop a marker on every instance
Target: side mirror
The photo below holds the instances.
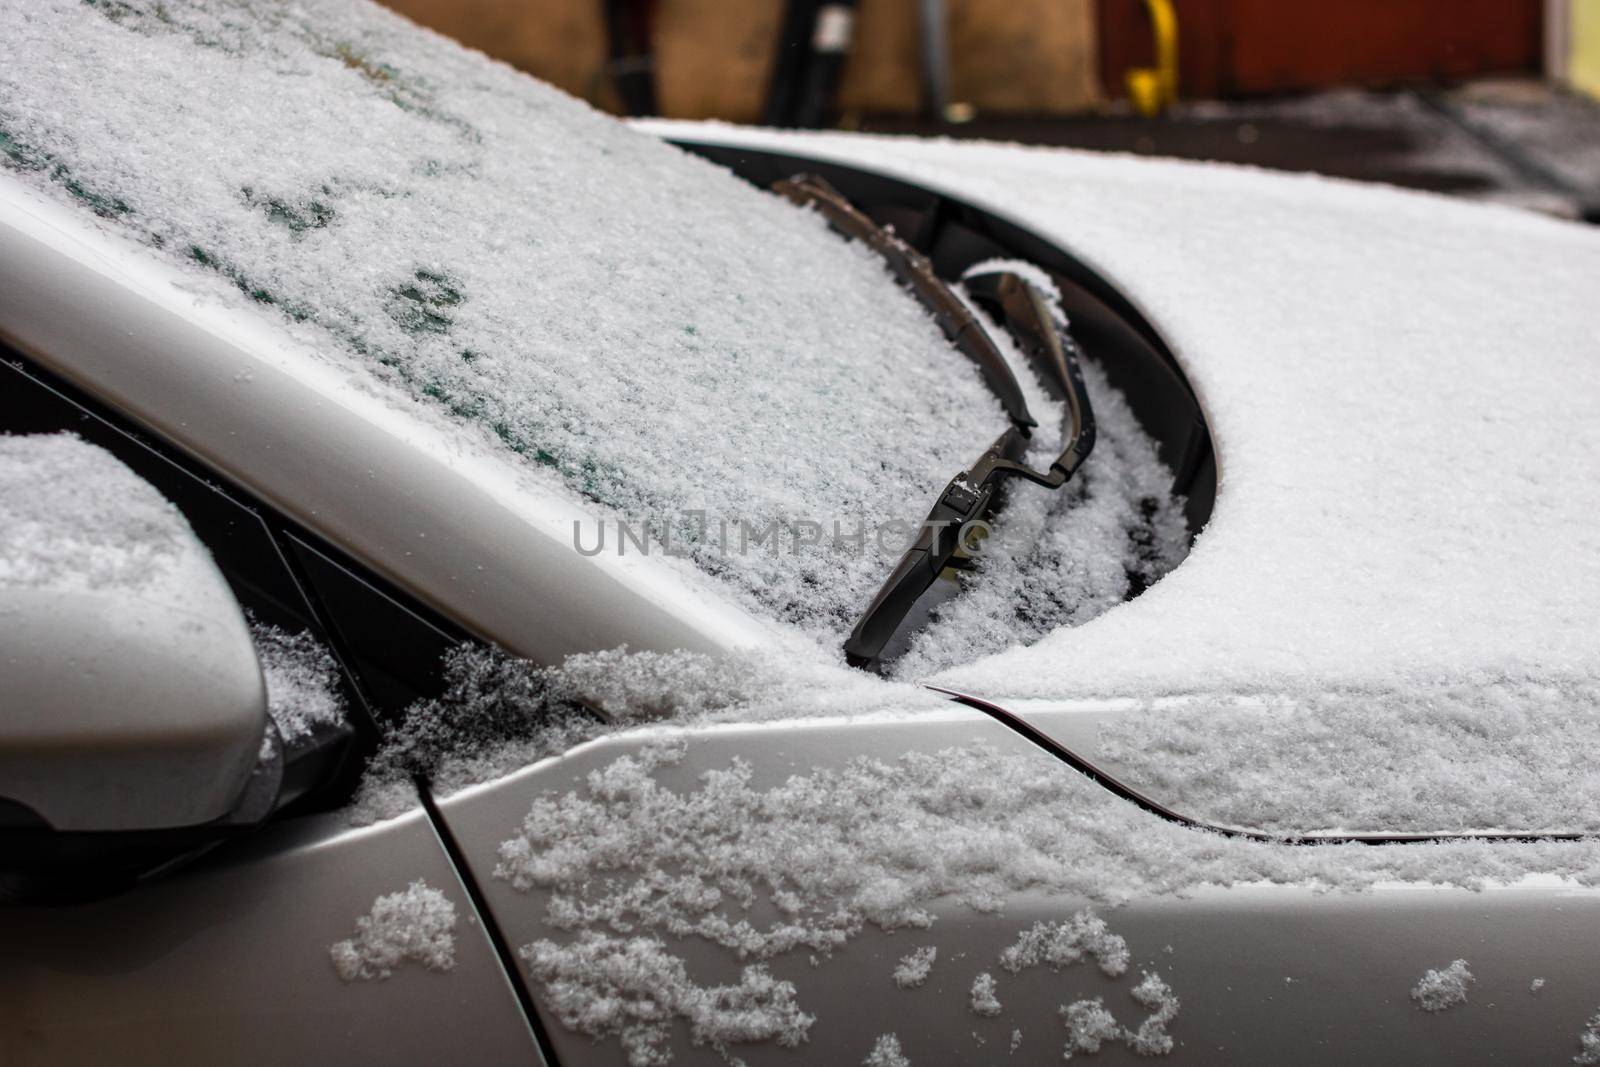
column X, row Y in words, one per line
column 133, row 712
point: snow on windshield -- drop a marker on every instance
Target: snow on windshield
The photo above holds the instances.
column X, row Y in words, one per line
column 1059, row 558
column 636, row 324
column 1401, row 390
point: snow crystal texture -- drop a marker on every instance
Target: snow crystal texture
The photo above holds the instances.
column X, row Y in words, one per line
column 1061, row 944
column 1090, row 1024
column 1404, row 396
column 886, row 1052
column 983, row 999
column 73, row 517
column 497, row 713
column 577, row 293
column 1443, row 988
column 635, row 988
column 1589, row 1040
column 415, row 925
column 302, row 681
column 913, row 970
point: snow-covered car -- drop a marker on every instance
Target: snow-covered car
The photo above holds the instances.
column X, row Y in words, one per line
column 434, row 518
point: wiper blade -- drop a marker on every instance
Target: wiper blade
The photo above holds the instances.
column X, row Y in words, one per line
column 975, row 493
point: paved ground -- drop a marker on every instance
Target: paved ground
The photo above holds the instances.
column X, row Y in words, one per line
column 1518, row 142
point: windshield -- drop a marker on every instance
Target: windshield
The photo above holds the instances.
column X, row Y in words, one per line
column 707, row 364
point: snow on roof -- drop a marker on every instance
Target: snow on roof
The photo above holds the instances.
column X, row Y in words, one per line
column 1404, row 394
column 626, row 320
column 72, row 516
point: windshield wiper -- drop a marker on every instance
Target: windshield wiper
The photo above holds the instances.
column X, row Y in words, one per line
column 974, row 494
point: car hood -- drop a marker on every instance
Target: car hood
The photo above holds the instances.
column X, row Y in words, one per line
column 1388, row 622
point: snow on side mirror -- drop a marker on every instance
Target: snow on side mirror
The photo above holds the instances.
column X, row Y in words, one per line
column 131, row 698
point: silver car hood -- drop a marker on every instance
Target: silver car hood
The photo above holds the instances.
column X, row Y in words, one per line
column 1401, row 392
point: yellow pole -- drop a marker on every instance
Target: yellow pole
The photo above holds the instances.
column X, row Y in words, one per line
column 1154, row 89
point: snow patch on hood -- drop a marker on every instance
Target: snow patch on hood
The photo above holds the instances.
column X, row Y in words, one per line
column 757, row 867
column 1443, row 988
column 1402, row 391
column 1494, row 753
column 636, row 989
column 912, row 971
column 414, row 925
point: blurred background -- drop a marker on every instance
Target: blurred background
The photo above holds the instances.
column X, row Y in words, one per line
column 1496, row 99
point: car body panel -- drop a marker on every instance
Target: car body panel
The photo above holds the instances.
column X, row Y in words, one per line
column 1264, row 973
column 229, row 963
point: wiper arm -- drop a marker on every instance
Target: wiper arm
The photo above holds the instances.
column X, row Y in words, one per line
column 1054, row 355
column 912, row 269
column 976, row 492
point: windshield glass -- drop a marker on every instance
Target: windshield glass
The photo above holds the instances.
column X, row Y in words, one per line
column 703, row 361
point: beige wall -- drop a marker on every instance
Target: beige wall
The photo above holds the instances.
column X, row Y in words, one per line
column 1583, row 63
column 713, row 56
